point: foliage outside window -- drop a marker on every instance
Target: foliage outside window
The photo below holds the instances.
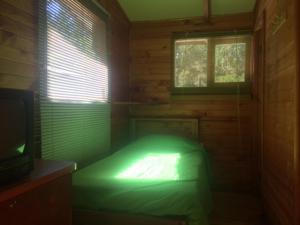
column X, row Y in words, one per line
column 212, row 65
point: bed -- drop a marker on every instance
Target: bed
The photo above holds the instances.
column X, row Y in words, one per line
column 157, row 176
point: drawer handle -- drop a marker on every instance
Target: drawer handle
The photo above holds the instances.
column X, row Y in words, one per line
column 12, row 205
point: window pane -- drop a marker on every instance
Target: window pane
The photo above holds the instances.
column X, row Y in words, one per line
column 191, row 63
column 230, row 63
column 76, row 54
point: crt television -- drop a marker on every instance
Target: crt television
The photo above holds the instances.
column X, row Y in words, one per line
column 16, row 134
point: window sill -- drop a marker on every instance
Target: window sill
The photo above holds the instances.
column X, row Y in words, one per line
column 216, row 93
column 195, row 98
column 242, row 90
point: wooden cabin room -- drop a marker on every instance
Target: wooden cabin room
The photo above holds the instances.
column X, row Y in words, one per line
column 139, row 112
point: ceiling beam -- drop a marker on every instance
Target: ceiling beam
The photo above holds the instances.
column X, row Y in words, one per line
column 207, row 10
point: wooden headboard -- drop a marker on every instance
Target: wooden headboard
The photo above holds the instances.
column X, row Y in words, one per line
column 187, row 127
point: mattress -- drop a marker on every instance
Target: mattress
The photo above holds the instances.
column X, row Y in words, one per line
column 156, row 175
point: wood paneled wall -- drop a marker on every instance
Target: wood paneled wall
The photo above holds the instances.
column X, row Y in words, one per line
column 279, row 114
column 18, row 38
column 227, row 122
column 119, row 26
column 18, row 53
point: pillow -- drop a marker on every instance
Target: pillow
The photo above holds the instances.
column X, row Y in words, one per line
column 164, row 143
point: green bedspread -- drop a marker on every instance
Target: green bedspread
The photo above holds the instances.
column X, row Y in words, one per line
column 156, row 175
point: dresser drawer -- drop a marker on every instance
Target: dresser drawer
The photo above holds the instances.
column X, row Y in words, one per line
column 49, row 204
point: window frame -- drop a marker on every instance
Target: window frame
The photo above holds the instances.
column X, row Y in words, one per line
column 212, row 86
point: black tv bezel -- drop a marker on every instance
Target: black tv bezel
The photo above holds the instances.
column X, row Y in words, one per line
column 18, row 166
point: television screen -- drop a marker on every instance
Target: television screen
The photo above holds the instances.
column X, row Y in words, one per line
column 13, row 128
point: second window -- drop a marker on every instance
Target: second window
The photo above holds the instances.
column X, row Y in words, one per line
column 211, row 65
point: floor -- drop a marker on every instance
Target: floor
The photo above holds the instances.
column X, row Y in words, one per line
column 236, row 209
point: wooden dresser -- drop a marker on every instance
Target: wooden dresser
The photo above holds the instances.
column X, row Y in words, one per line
column 42, row 198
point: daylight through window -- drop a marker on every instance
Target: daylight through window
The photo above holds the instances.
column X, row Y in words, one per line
column 211, row 63
column 76, row 54
column 74, row 102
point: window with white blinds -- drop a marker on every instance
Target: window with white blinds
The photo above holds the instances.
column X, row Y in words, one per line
column 74, row 81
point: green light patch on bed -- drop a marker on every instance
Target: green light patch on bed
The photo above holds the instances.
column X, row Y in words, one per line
column 153, row 167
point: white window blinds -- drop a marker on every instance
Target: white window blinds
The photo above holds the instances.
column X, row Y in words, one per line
column 74, row 87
